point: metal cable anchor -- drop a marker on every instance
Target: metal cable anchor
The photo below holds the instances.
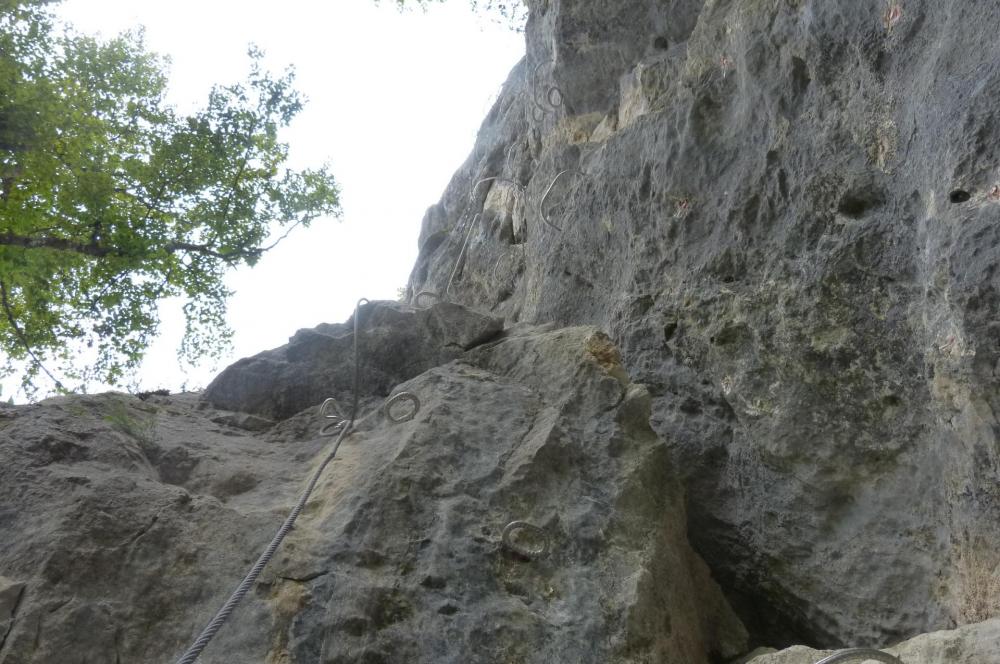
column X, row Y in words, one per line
column 398, row 398
column 507, row 538
column 454, row 270
column 337, row 420
column 223, row 614
column 545, row 196
column 424, row 294
column 860, row 654
column 552, row 99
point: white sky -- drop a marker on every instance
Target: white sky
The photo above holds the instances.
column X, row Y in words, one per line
column 395, row 100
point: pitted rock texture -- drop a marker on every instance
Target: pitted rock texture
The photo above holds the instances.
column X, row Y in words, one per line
column 120, row 518
column 786, row 213
column 397, row 342
column 978, row 643
column 401, row 550
column 127, row 523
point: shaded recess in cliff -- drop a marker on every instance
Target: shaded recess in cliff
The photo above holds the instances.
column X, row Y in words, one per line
column 786, row 214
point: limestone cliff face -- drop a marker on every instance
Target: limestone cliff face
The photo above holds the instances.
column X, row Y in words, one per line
column 719, row 324
column 786, row 214
column 126, row 522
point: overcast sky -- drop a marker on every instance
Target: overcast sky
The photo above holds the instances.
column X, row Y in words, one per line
column 395, row 100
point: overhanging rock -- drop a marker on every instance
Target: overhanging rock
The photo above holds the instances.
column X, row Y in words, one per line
column 397, row 343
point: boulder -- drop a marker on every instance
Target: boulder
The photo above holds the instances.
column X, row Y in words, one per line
column 977, row 643
column 397, row 343
column 402, row 558
column 128, row 522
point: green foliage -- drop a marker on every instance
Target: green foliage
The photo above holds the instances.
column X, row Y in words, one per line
column 111, row 201
column 139, row 426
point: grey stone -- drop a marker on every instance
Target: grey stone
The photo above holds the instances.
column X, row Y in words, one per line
column 978, row 643
column 244, row 421
column 10, row 601
column 397, row 343
column 128, row 520
column 403, row 542
column 756, row 652
column 788, row 223
column 133, row 520
column 784, row 214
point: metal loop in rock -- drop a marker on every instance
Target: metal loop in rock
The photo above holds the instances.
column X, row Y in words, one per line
column 402, row 396
column 461, row 255
column 425, row 294
column 507, row 538
column 545, row 103
column 337, row 420
column 518, row 187
column 860, row 654
column 475, row 187
column 545, row 196
column 554, row 97
column 506, row 255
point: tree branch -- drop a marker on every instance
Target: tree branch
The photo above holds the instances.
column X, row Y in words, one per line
column 206, row 250
column 99, row 251
column 59, row 244
column 21, row 337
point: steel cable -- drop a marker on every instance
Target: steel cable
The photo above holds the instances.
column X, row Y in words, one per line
column 860, row 654
column 206, row 636
column 545, row 196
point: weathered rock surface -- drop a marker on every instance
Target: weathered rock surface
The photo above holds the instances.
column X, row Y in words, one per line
column 126, row 523
column 978, row 643
column 403, row 548
column 397, row 343
column 10, row 599
column 121, row 518
column 785, row 213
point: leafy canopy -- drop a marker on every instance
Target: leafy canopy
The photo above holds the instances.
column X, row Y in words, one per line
column 111, row 201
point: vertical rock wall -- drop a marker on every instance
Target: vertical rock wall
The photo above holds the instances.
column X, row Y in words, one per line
column 787, row 214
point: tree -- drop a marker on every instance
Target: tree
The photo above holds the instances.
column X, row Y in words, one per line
column 111, row 201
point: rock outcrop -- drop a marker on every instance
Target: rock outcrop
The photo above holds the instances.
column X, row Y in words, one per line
column 127, row 522
column 785, row 213
column 124, row 520
column 396, row 344
column 542, row 427
column 973, row 644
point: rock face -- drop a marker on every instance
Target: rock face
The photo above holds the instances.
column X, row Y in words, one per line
column 124, row 520
column 397, row 343
column 403, row 547
column 126, row 523
column 973, row 644
column 785, row 213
